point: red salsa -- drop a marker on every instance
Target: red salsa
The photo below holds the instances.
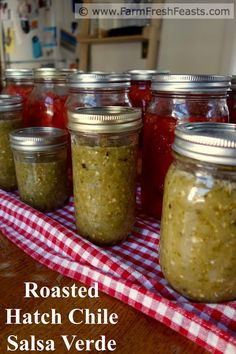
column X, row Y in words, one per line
column 167, row 109
column 232, row 101
column 19, row 82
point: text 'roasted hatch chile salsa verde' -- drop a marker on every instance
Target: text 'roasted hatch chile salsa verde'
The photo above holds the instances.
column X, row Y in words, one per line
column 104, row 156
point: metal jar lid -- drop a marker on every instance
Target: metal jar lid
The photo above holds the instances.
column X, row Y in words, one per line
column 139, row 75
column 10, row 103
column 99, row 80
column 191, row 83
column 18, row 74
column 111, row 119
column 50, row 74
column 38, row 139
column 233, row 83
column 208, row 142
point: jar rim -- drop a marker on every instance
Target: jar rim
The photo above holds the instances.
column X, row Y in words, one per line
column 109, row 119
column 207, row 142
column 18, row 74
column 38, row 139
column 10, row 103
column 139, row 75
column 99, row 79
column 191, row 83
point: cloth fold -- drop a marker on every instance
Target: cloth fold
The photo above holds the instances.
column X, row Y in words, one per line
column 129, row 271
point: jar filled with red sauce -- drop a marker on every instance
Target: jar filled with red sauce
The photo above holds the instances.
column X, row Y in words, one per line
column 140, row 96
column 231, row 100
column 176, row 99
column 19, row 82
column 97, row 89
column 46, row 101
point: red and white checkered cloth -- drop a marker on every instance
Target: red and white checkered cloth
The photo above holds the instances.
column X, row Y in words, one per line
column 129, row 272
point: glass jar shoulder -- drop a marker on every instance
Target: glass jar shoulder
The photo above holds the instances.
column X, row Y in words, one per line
column 97, row 98
column 187, row 106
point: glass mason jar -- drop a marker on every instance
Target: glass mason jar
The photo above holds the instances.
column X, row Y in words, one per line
column 198, row 231
column 176, row 99
column 40, row 156
column 140, row 96
column 19, row 82
column 97, row 89
column 231, row 100
column 46, row 102
column 104, row 155
column 10, row 119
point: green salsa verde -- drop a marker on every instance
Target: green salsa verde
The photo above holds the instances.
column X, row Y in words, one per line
column 198, row 235
column 7, row 167
column 43, row 185
column 104, row 191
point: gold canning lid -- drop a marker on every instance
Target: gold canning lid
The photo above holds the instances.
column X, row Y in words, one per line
column 110, row 119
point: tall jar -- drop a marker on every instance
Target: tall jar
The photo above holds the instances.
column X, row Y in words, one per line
column 10, row 119
column 198, row 231
column 140, row 96
column 46, row 102
column 104, row 155
column 40, row 156
column 232, row 100
column 97, row 89
column 19, row 82
column 176, row 99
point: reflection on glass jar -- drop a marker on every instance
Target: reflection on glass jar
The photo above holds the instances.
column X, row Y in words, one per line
column 40, row 156
column 104, row 156
column 10, row 119
column 176, row 99
column 231, row 101
column 198, row 225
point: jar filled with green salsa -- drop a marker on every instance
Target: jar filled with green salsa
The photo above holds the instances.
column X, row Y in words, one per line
column 40, row 156
column 10, row 119
column 104, row 155
column 198, row 225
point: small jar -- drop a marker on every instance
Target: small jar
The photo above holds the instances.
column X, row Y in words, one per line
column 104, row 155
column 10, row 119
column 176, row 99
column 46, row 102
column 198, row 225
column 19, row 82
column 40, row 156
column 231, row 100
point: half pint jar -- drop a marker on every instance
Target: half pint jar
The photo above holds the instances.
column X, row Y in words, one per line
column 104, row 155
column 198, row 226
column 40, row 156
column 176, row 99
column 10, row 119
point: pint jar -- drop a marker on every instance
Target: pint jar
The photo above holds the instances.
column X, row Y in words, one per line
column 40, row 156
column 19, row 82
column 104, row 155
column 198, row 225
column 97, row 89
column 176, row 99
column 10, row 119
column 46, row 102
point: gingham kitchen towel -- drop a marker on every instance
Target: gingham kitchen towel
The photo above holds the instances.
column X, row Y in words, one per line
column 129, row 271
